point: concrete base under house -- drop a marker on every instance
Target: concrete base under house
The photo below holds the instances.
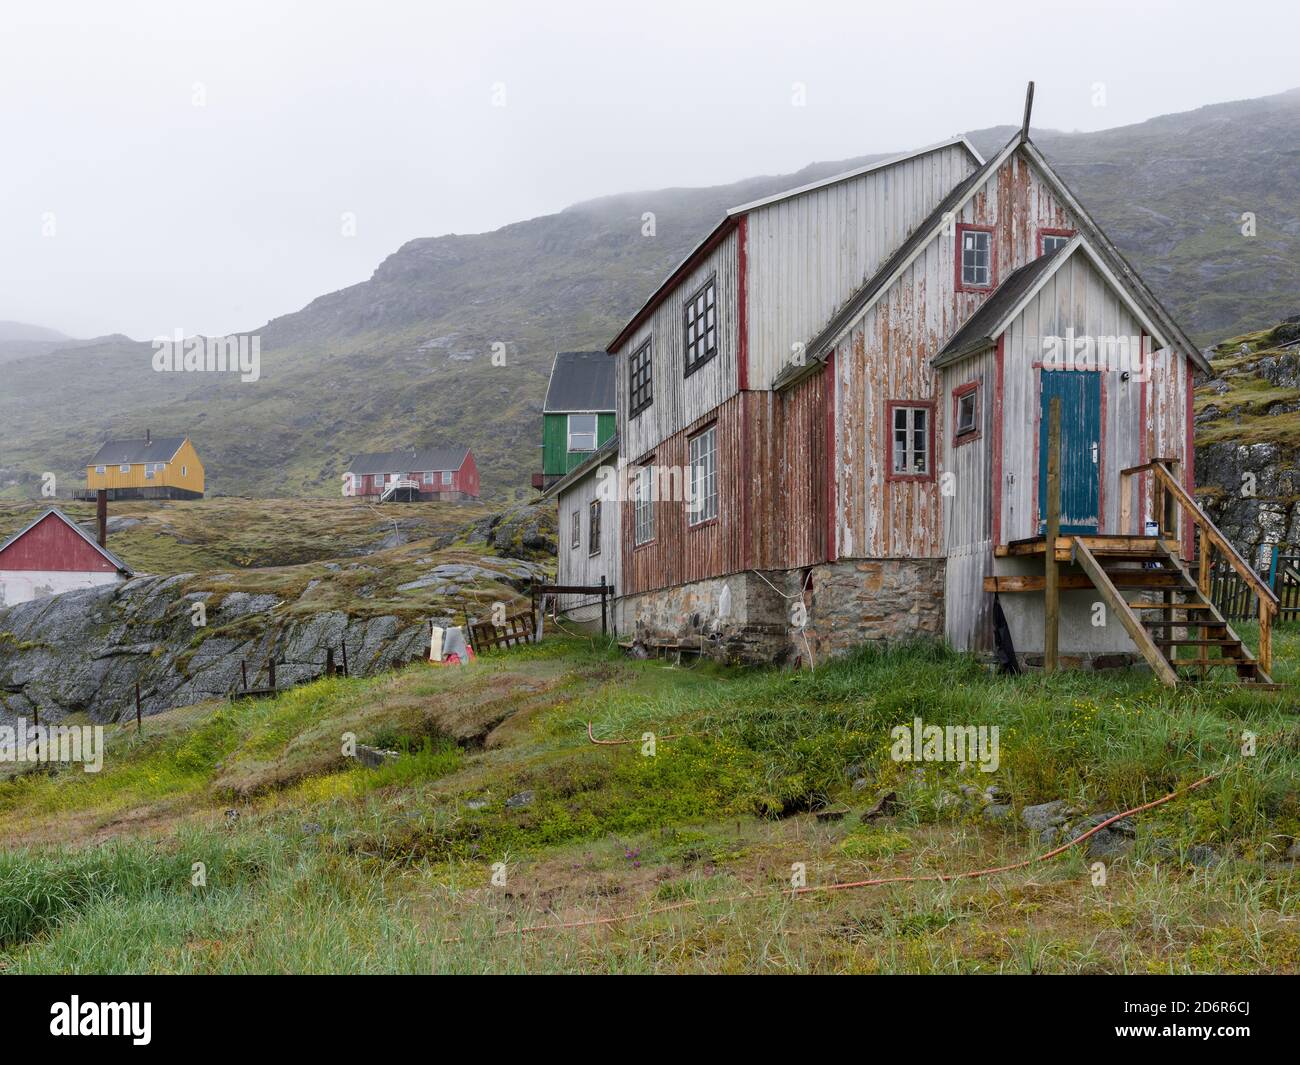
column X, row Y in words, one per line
column 164, row 492
column 848, row 603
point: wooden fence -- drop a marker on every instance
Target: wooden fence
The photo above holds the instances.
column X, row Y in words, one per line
column 1237, row 601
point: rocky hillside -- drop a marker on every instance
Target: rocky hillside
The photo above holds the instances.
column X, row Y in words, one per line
column 1248, row 438
column 84, row 652
column 405, row 357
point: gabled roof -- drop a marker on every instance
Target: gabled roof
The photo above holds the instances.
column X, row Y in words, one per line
column 847, row 175
column 732, row 218
column 120, row 452
column 580, row 381
column 409, row 460
column 116, row 562
column 1118, row 269
column 608, row 449
column 1005, row 303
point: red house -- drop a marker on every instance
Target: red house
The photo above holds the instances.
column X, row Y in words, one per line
column 54, row 555
column 409, row 474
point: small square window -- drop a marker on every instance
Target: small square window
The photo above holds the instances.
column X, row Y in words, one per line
column 910, row 441
column 1049, row 240
column 976, row 261
column 965, row 412
column 101, row 469
column 124, row 468
column 582, row 432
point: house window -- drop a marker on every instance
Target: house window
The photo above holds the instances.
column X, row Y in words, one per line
column 582, row 432
column 1051, row 239
column 643, row 507
column 701, row 327
column 703, row 505
column 910, row 441
column 575, row 537
column 965, row 412
column 975, row 265
column 446, row 476
column 640, row 389
column 185, row 471
column 428, row 478
column 125, row 467
column 101, row 469
column 593, row 527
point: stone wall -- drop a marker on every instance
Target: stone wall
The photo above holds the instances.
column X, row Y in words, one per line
column 847, row 604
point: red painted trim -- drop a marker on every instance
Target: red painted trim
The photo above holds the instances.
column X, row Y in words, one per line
column 890, row 475
column 742, row 303
column 1048, row 232
column 957, row 393
column 998, row 429
column 1189, row 458
column 832, row 488
column 696, row 257
column 962, row 227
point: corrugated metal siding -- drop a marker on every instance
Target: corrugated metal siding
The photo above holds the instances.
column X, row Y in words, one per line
column 681, row 401
column 824, row 245
column 578, row 565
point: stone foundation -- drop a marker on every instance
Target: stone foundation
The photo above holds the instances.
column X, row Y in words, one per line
column 846, row 604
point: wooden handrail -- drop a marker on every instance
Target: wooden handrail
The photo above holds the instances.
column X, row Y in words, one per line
column 1210, row 537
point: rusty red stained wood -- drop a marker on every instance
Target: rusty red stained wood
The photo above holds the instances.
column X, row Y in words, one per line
column 51, row 545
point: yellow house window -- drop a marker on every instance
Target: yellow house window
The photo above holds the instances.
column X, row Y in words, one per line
column 125, row 467
column 185, row 471
column 101, row 469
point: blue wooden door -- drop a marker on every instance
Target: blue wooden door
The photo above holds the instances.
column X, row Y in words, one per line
column 1080, row 395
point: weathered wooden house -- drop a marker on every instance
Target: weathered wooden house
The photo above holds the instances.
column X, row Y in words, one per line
column 164, row 467
column 590, row 545
column 53, row 555
column 578, row 414
column 832, row 421
column 411, row 474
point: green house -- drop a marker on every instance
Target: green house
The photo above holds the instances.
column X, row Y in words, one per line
column 578, row 416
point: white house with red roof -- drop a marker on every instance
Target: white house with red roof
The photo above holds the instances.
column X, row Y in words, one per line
column 53, row 555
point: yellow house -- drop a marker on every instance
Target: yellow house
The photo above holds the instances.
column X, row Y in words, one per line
column 165, row 467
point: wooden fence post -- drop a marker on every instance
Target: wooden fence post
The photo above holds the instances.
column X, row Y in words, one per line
column 137, row 706
column 1051, row 573
column 243, row 674
column 604, row 629
column 272, row 669
column 345, row 658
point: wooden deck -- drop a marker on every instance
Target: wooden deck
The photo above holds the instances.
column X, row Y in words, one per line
column 1109, row 546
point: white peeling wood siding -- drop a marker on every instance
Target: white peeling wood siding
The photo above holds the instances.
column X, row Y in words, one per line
column 578, row 565
column 1078, row 297
column 807, row 256
column 887, row 356
column 678, row 400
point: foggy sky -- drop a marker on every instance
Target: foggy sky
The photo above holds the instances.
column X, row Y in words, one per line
column 214, row 218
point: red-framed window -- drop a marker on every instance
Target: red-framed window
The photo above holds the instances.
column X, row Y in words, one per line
column 976, row 266
column 909, row 439
column 1051, row 239
column 966, row 414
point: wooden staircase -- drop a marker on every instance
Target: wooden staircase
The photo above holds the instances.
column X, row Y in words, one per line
column 1164, row 611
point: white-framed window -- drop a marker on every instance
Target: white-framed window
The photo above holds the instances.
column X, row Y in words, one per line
column 643, row 507
column 701, row 327
column 966, row 413
column 593, row 527
column 703, row 449
column 911, row 441
column 148, row 473
column 575, row 535
column 446, row 476
column 977, row 258
column 1052, row 241
column 185, row 471
column 428, row 477
column 125, row 467
column 582, row 432
column 101, row 469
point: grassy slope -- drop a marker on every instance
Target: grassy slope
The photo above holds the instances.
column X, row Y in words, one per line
column 333, row 867
column 1252, row 410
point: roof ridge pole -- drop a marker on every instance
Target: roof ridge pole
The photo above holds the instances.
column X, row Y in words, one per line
column 1029, row 110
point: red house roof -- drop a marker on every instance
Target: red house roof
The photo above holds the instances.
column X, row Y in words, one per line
column 54, row 542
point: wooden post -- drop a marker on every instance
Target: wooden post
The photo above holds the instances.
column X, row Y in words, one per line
column 272, row 668
column 243, row 674
column 137, row 706
column 1051, row 583
column 329, row 661
column 1126, row 504
column 604, row 630
column 345, row 658
column 1265, row 636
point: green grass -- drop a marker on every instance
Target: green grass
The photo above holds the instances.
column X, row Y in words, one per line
column 333, row 867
